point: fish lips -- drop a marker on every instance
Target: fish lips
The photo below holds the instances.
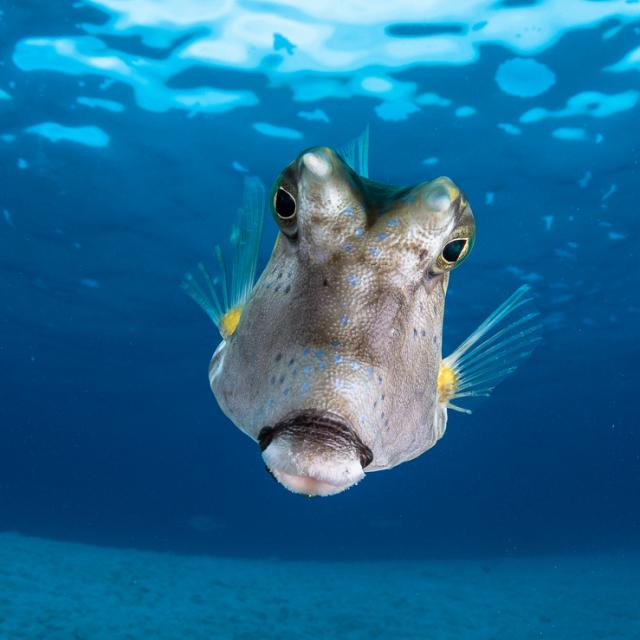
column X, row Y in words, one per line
column 314, row 453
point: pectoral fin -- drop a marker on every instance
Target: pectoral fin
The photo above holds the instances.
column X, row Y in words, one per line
column 224, row 295
column 493, row 351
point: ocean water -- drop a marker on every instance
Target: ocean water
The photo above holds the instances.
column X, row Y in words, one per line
column 130, row 506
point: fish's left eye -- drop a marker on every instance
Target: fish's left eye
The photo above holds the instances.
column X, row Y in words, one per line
column 453, row 253
column 453, row 250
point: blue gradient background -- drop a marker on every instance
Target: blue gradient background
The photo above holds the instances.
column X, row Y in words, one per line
column 108, row 430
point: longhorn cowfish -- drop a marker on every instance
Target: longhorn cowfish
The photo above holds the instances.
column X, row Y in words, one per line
column 332, row 361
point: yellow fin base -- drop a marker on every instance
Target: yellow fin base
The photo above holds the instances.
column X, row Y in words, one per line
column 447, row 383
column 491, row 352
column 229, row 321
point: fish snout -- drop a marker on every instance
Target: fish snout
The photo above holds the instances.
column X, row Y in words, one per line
column 314, row 453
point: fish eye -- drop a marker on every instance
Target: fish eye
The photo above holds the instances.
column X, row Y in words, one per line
column 284, row 211
column 453, row 250
column 284, row 204
column 453, row 254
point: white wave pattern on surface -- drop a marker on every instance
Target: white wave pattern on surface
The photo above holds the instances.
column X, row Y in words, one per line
column 524, row 77
column 147, row 77
column 99, row 103
column 338, row 48
column 274, row 131
column 570, row 133
column 588, row 103
column 630, row 62
column 90, row 136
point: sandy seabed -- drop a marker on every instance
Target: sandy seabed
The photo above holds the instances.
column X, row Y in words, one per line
column 55, row 591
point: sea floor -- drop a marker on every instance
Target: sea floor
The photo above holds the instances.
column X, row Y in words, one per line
column 54, row 590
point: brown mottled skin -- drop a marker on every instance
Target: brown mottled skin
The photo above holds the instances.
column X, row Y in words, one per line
column 346, row 319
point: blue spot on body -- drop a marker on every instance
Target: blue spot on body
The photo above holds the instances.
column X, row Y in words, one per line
column 374, row 251
column 307, row 371
column 370, row 372
column 348, row 212
column 353, row 280
column 382, row 236
column 319, row 354
column 348, row 248
column 285, row 392
column 359, row 232
column 322, row 365
column 393, row 222
column 304, row 387
column 306, row 351
column 355, row 366
column 344, row 321
column 338, row 358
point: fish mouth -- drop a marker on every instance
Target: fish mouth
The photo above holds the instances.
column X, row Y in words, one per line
column 314, row 453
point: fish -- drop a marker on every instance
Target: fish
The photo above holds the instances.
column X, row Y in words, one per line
column 331, row 360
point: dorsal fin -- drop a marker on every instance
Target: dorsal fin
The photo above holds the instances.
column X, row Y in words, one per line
column 223, row 295
column 356, row 153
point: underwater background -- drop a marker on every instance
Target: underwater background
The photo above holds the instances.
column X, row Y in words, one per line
column 127, row 128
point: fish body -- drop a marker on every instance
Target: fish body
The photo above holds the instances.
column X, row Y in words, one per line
column 333, row 362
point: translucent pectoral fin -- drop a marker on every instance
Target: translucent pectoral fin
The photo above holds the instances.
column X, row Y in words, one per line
column 356, row 154
column 493, row 351
column 222, row 296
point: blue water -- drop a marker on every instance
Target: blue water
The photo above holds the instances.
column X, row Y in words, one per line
column 126, row 130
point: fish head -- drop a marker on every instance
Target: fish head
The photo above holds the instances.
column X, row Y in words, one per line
column 333, row 366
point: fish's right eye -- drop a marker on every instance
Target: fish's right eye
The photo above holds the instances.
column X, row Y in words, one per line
column 284, row 207
column 284, row 204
